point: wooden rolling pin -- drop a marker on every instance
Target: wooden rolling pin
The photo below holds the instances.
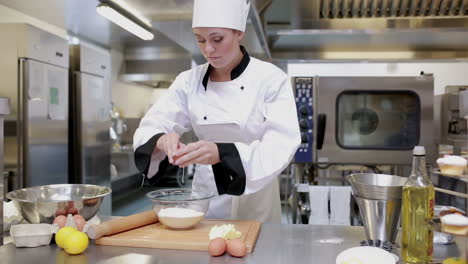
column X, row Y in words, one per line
column 122, row 224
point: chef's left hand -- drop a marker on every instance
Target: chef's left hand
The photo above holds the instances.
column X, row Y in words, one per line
column 200, row 152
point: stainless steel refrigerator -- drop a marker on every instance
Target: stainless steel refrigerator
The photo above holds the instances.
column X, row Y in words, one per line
column 4, row 110
column 90, row 120
column 34, row 75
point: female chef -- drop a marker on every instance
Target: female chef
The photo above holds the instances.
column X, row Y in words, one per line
column 241, row 109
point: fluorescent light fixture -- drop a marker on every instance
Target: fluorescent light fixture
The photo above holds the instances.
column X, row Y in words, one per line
column 124, row 19
column 132, row 10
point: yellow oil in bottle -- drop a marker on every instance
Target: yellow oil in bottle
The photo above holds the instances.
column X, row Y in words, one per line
column 417, row 211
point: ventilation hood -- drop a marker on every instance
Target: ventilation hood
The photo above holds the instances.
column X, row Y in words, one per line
column 313, row 29
column 173, row 18
column 303, row 30
column 372, row 14
column 153, row 65
column 156, row 63
column 369, row 29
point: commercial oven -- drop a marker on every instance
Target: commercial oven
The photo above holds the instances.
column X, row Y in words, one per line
column 364, row 120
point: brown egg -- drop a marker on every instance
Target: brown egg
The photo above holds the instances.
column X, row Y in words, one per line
column 60, row 220
column 61, row 211
column 217, row 247
column 72, row 210
column 79, row 221
column 236, row 247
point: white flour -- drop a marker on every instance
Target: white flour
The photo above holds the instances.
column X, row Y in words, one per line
column 179, row 212
column 180, row 218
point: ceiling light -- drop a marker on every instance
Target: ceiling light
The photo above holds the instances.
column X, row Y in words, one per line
column 124, row 19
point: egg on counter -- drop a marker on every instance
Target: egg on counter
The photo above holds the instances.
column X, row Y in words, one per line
column 217, row 247
column 236, row 248
column 79, row 221
column 60, row 220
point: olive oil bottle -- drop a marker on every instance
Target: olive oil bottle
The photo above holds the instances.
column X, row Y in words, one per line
column 417, row 212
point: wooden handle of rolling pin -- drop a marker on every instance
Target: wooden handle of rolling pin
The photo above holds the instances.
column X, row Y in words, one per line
column 122, row 224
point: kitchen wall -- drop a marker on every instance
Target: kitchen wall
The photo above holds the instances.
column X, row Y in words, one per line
column 131, row 100
column 445, row 73
column 9, row 15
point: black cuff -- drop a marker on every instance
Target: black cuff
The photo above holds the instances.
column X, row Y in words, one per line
column 229, row 174
column 143, row 154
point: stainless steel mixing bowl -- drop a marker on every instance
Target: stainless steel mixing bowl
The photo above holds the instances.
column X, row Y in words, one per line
column 41, row 204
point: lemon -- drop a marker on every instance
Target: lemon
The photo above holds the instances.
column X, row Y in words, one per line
column 62, row 234
column 63, row 257
column 76, row 242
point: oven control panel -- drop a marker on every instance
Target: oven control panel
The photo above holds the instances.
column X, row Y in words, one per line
column 303, row 90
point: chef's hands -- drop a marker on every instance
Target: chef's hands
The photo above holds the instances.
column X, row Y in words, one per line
column 200, row 152
column 169, row 143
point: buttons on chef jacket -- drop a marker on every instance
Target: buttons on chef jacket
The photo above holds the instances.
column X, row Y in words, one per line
column 204, row 118
column 242, row 87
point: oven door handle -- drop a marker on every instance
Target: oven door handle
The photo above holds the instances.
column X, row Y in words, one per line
column 321, row 125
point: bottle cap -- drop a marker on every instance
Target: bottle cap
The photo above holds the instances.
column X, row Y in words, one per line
column 419, row 151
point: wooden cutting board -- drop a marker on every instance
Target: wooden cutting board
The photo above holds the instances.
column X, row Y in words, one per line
column 159, row 236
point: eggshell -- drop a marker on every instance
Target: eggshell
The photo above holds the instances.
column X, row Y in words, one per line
column 217, row 247
column 60, row 220
column 236, row 248
column 79, row 221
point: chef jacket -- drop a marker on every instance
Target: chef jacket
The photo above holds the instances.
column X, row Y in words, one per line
column 253, row 121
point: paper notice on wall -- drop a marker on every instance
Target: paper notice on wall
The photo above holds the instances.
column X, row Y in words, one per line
column 57, row 96
column 94, row 93
column 35, row 80
column 463, row 104
column 55, row 109
column 37, row 109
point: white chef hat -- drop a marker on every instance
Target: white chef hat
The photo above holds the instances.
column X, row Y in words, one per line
column 220, row 13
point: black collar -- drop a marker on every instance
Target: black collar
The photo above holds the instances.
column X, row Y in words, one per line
column 236, row 72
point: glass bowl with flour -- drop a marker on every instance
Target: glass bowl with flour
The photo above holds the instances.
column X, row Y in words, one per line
column 180, row 208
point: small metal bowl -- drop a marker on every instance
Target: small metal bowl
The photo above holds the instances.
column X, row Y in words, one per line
column 180, row 198
column 41, row 204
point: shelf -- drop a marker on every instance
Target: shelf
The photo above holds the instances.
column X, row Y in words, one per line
column 459, row 194
column 461, row 178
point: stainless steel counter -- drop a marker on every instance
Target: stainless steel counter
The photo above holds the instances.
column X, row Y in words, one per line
column 276, row 244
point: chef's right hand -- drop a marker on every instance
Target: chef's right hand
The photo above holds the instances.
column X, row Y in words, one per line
column 169, row 143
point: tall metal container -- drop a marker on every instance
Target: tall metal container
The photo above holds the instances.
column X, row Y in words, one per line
column 90, row 119
column 4, row 110
column 34, row 68
column 379, row 200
